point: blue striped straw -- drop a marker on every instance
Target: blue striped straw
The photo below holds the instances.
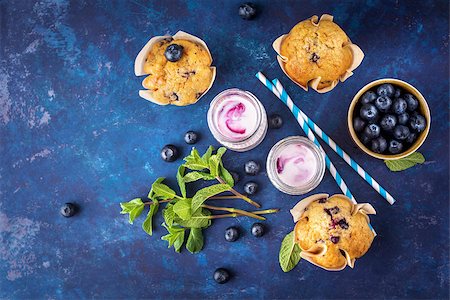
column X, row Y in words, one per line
column 337, row 177
column 369, row 179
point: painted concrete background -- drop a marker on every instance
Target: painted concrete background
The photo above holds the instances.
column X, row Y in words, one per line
column 73, row 129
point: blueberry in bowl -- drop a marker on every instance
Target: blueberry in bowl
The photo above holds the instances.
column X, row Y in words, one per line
column 389, row 119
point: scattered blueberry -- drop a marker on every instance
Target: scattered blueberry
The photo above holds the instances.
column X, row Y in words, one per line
column 343, row 223
column 401, row 132
column 221, row 275
column 412, row 102
column 169, row 153
column 372, row 131
column 383, row 103
column 251, row 187
column 398, row 93
column 334, row 239
column 258, row 230
column 369, row 112
column 191, row 137
column 417, row 123
column 231, row 234
column 379, row 145
column 388, row 122
column 68, row 210
column 412, row 137
column 252, row 167
column 399, row 106
column 358, row 124
column 247, row 11
column 386, row 89
column 275, row 121
column 173, row 52
column 395, row 147
column 368, row 97
column 403, row 118
column 235, row 176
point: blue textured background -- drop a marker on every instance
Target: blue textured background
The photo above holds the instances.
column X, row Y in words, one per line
column 72, row 128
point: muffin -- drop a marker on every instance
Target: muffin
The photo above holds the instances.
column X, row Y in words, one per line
column 333, row 232
column 180, row 82
column 318, row 54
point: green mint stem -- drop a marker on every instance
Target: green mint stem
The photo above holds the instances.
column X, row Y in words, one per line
column 162, row 201
column 245, row 198
column 234, row 215
column 223, row 197
column 234, row 210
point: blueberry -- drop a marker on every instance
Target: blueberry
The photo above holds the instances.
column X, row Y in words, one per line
column 251, row 187
column 68, row 210
column 412, row 137
column 412, row 102
column 191, row 137
column 275, row 121
column 221, row 275
column 395, row 147
column 401, row 132
column 403, row 118
column 343, row 223
column 399, row 106
column 368, row 97
column 358, row 124
column 372, row 131
column 365, row 139
column 388, row 122
column 235, row 176
column 169, row 153
column 379, row 145
column 252, row 167
column 386, row 89
column 383, row 103
column 417, row 123
column 258, row 230
column 231, row 234
column 369, row 113
column 334, row 239
column 173, row 52
column 247, row 11
column 397, row 93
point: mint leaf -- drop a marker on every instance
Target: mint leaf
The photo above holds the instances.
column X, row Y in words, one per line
column 207, row 192
column 289, row 253
column 147, row 225
column 162, row 191
column 198, row 220
column 194, row 162
column 175, row 237
column 194, row 242
column 215, row 160
column 406, row 162
column 195, row 175
column 225, row 175
column 183, row 208
column 207, row 154
column 181, row 181
column 133, row 207
column 168, row 214
column 151, row 194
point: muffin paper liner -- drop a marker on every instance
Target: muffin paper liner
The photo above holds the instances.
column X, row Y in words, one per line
column 357, row 54
column 142, row 56
column 318, row 249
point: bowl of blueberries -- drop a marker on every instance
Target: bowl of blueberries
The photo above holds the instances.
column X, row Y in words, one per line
column 389, row 119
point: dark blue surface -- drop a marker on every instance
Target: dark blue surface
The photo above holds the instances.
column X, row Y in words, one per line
column 72, row 128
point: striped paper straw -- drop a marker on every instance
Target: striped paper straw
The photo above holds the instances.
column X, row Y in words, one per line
column 337, row 177
column 369, row 179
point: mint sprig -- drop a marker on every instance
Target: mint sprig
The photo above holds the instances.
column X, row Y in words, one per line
column 406, row 162
column 188, row 216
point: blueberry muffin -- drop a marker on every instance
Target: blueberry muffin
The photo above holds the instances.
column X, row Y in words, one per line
column 335, row 230
column 182, row 81
column 312, row 50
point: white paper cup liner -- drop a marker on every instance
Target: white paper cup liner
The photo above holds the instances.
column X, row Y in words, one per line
column 357, row 55
column 139, row 62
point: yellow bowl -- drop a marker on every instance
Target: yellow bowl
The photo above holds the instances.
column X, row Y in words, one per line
column 423, row 107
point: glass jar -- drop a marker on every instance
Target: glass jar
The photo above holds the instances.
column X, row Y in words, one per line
column 237, row 120
column 295, row 165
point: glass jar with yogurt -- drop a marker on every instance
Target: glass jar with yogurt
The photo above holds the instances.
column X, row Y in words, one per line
column 237, row 120
column 295, row 165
